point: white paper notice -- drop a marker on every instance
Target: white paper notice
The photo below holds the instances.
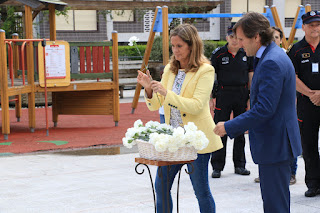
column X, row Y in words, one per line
column 55, row 61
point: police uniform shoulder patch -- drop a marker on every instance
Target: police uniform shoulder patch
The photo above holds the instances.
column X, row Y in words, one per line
column 289, row 48
column 216, row 50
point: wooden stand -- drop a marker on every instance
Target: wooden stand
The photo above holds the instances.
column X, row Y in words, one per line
column 146, row 162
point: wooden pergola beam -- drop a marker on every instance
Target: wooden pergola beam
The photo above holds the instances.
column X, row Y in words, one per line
column 118, row 5
column 129, row 5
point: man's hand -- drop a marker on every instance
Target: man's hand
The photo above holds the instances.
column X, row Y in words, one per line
column 220, row 130
column 315, row 97
column 212, row 104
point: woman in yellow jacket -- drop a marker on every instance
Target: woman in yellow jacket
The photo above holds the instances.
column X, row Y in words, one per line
column 184, row 92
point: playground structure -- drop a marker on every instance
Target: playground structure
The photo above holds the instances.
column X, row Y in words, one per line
column 78, row 97
column 89, row 97
column 85, row 97
column 162, row 20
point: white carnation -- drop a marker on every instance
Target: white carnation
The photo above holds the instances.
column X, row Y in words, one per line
column 199, row 140
column 161, row 145
column 137, row 123
column 179, row 136
column 152, row 124
column 127, row 144
column 154, row 137
column 131, row 132
column 164, row 126
column 133, row 40
column 190, row 127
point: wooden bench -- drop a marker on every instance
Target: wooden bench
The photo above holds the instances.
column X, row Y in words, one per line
column 127, row 77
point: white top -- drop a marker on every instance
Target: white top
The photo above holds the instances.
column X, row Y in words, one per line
column 175, row 116
column 161, row 110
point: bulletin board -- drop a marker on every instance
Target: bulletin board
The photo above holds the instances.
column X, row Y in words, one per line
column 57, row 60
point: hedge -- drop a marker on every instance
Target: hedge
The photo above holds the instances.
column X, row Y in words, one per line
column 131, row 53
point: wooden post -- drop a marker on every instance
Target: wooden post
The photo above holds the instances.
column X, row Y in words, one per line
column 293, row 29
column 30, row 67
column 15, row 71
column 145, row 61
column 52, row 22
column 278, row 24
column 307, row 8
column 165, row 35
column 4, row 86
column 53, row 37
column 115, row 72
column 15, row 56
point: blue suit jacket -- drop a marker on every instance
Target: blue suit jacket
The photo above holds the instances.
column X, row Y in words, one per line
column 272, row 120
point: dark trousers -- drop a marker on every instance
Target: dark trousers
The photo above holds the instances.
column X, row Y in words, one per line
column 229, row 100
column 309, row 122
column 274, row 185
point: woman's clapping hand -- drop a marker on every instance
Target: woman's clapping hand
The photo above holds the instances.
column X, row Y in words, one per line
column 144, row 79
column 156, row 86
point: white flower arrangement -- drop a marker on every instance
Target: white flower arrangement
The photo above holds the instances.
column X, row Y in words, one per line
column 165, row 137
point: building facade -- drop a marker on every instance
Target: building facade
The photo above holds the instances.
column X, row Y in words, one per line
column 87, row 25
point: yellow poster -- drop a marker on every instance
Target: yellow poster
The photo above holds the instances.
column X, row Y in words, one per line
column 57, row 63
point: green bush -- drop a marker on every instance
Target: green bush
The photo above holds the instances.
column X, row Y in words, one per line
column 131, row 53
column 210, row 46
column 156, row 51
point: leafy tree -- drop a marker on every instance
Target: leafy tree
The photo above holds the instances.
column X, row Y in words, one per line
column 11, row 21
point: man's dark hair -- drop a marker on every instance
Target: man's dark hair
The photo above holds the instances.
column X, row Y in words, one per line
column 279, row 30
column 254, row 23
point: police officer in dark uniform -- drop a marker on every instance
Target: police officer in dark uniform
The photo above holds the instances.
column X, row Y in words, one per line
column 305, row 56
column 233, row 69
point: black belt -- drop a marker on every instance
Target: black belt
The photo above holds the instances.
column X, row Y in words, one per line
column 233, row 87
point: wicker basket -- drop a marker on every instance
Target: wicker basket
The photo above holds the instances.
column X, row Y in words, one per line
column 147, row 151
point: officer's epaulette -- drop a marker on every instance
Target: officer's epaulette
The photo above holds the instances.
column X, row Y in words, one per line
column 216, row 50
column 289, row 48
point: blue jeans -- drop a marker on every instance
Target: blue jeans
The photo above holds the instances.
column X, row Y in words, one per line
column 162, row 120
column 199, row 180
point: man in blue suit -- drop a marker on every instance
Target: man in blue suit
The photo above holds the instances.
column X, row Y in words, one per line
column 272, row 120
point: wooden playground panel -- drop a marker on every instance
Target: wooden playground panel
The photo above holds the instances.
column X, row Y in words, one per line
column 81, row 97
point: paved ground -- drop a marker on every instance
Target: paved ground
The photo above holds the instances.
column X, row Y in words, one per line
column 72, row 132
column 90, row 183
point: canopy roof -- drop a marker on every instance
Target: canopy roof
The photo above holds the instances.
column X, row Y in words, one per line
column 38, row 5
column 129, row 5
column 35, row 4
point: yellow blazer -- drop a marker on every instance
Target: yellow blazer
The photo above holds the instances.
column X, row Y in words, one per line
column 193, row 102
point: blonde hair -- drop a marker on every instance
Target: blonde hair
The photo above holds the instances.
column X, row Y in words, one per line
column 189, row 34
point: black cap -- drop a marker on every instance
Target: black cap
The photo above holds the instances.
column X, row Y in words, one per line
column 310, row 17
column 229, row 31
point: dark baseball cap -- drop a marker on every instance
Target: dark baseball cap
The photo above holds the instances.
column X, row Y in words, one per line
column 310, row 17
column 229, row 31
